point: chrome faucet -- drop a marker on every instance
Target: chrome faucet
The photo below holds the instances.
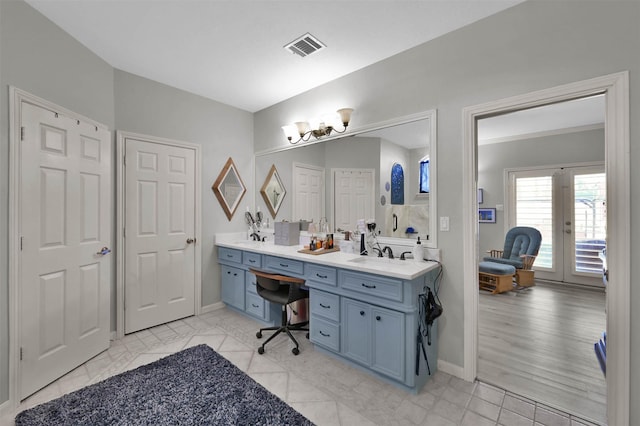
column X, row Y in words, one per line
column 389, row 251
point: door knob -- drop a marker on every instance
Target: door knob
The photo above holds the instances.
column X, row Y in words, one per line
column 103, row 251
column 191, row 240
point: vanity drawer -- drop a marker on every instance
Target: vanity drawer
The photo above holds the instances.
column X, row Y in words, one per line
column 324, row 333
column 324, row 304
column 254, row 305
column 229, row 255
column 251, row 259
column 284, row 265
column 250, row 282
column 372, row 285
column 321, row 274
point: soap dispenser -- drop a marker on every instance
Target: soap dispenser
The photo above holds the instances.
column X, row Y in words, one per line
column 418, row 252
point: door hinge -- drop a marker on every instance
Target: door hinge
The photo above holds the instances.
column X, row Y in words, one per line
column 20, row 354
column 21, row 240
column 124, row 232
column 124, row 160
column 22, row 133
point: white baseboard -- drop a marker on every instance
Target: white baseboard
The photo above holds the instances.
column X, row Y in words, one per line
column 212, row 307
column 454, row 370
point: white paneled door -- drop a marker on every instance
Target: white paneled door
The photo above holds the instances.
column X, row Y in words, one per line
column 159, row 281
column 353, row 196
column 308, row 192
column 65, row 228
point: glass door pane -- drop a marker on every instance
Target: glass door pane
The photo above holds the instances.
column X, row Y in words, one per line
column 534, row 207
column 590, row 219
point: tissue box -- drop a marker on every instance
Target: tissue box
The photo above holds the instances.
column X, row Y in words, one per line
column 286, row 233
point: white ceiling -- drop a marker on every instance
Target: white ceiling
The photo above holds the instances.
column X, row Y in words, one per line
column 578, row 114
column 232, row 50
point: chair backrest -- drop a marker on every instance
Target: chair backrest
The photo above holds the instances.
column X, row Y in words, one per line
column 521, row 240
column 272, row 282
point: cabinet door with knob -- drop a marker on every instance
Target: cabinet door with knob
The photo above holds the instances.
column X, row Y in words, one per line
column 233, row 290
column 356, row 333
column 388, row 343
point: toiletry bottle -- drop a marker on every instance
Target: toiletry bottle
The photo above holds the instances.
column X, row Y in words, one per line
column 418, row 253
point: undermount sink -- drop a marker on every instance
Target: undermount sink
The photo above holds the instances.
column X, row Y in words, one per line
column 248, row 242
column 371, row 260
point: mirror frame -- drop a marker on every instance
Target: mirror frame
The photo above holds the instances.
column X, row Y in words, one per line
column 432, row 116
column 229, row 167
column 272, row 177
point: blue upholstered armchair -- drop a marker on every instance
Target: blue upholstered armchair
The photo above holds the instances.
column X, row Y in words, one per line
column 521, row 246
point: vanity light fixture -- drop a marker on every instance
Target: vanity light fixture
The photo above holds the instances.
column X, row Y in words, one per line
column 303, row 130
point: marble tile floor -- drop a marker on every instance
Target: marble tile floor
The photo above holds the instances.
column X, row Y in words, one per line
column 324, row 389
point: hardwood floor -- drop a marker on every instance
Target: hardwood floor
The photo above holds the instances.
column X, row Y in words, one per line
column 539, row 343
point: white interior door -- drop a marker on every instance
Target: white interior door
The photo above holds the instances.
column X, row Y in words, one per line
column 159, row 242
column 353, row 197
column 308, row 192
column 65, row 221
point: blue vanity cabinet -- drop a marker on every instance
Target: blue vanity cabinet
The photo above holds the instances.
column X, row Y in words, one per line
column 366, row 319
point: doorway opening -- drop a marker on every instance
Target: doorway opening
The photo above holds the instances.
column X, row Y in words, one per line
column 615, row 89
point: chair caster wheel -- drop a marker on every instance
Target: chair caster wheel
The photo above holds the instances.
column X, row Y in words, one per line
column 295, row 351
column 259, row 335
column 260, row 350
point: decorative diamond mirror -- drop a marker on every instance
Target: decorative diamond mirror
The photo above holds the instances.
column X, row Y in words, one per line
column 273, row 191
column 229, row 188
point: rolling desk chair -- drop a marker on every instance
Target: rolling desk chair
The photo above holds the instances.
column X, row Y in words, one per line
column 282, row 290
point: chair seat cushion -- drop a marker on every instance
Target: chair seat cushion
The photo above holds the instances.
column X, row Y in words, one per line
column 496, row 268
column 515, row 263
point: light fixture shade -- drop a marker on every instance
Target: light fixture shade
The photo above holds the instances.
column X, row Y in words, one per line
column 345, row 115
column 303, row 127
column 290, row 131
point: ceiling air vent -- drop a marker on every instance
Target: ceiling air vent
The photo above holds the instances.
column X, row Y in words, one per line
column 305, row 45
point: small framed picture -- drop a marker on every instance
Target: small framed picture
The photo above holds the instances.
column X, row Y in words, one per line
column 487, row 215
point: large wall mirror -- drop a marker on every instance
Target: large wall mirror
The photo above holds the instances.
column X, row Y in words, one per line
column 343, row 178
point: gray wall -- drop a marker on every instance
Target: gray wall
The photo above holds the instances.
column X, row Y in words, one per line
column 40, row 58
column 148, row 107
column 534, row 45
column 577, row 147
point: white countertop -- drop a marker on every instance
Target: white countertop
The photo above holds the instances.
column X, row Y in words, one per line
column 396, row 268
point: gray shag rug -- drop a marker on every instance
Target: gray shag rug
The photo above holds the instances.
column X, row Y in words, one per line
column 196, row 386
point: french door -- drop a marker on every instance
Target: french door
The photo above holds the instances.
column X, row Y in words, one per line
column 568, row 206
